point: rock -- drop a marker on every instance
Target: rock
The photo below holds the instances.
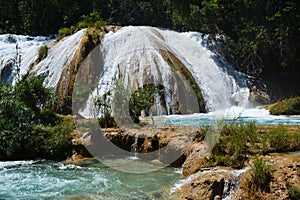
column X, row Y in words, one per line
column 206, row 186
column 258, row 91
column 283, row 172
column 11, row 39
column 217, row 198
column 196, row 155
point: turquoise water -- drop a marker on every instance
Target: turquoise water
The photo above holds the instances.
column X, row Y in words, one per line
column 235, row 114
column 89, row 180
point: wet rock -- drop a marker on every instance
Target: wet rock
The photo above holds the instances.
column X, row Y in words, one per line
column 258, row 91
column 11, row 39
column 207, row 186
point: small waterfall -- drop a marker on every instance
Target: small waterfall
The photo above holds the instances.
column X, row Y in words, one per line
column 136, row 146
column 231, row 188
column 15, row 48
column 231, row 185
column 136, row 56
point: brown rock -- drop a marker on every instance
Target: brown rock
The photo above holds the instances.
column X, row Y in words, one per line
column 208, row 185
column 196, row 158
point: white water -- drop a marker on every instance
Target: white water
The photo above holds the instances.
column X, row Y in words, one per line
column 230, row 187
column 233, row 114
column 27, row 48
column 85, row 180
column 59, row 57
column 132, row 54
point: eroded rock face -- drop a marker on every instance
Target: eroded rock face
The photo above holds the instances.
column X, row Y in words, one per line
column 197, row 155
column 207, row 186
column 258, row 91
column 165, row 145
column 285, row 169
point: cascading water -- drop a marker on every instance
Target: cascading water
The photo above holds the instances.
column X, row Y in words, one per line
column 59, row 57
column 18, row 50
column 136, row 56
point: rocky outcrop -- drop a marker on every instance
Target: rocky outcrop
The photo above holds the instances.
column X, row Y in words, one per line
column 285, row 172
column 156, row 144
column 196, row 158
column 258, row 91
column 207, row 185
column 189, row 80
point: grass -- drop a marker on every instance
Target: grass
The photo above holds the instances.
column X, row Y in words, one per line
column 261, row 175
column 294, row 192
column 286, row 107
column 239, row 142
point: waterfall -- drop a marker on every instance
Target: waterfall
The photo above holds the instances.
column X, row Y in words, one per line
column 136, row 146
column 59, row 57
column 15, row 48
column 137, row 56
column 231, row 183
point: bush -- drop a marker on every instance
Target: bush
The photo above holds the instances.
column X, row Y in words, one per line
column 15, row 128
column 28, row 126
column 64, row 32
column 286, row 107
column 92, row 20
column 261, row 175
column 279, row 139
column 54, row 142
column 233, row 147
column 294, row 193
column 42, row 53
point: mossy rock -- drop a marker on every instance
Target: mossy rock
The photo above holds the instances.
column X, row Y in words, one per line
column 286, row 107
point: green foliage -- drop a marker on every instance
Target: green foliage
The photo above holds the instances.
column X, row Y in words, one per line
column 286, row 107
column 32, row 92
column 65, row 32
column 92, row 20
column 15, row 126
column 28, row 126
column 279, row 139
column 102, row 106
column 42, row 53
column 233, row 145
column 294, row 192
column 143, row 99
column 261, row 175
column 54, row 142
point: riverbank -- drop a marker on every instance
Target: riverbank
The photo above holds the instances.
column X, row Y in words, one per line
column 216, row 169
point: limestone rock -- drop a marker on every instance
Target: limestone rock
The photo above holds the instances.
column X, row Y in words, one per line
column 196, row 157
column 208, row 186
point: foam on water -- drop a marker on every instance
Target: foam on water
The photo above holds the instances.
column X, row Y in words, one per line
column 15, row 47
column 89, row 180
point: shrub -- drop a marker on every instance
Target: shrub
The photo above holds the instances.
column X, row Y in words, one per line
column 261, row 175
column 232, row 148
column 28, row 126
column 286, row 107
column 278, row 139
column 42, row 53
column 294, row 193
column 15, row 128
column 64, row 32
column 295, row 141
column 54, row 142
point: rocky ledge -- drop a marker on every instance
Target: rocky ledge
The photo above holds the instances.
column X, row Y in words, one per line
column 187, row 147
